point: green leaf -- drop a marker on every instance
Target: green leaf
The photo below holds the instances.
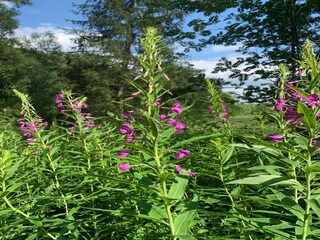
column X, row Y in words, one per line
column 308, row 117
column 181, row 143
column 183, row 222
column 155, row 212
column 167, row 133
column 290, row 205
column 268, row 180
column 178, row 187
column 35, row 221
column 315, row 205
column 227, row 154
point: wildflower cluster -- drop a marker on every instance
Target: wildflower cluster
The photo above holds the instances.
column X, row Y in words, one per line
column 70, row 107
column 291, row 110
column 176, row 124
column 28, row 128
column 221, row 111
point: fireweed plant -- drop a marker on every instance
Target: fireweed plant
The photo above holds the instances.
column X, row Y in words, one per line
column 287, row 177
column 56, row 177
column 157, row 163
column 223, row 166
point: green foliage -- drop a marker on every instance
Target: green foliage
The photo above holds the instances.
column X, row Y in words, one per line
column 8, row 12
column 268, row 33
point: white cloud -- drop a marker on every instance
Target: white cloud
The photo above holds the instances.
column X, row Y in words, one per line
column 8, row 4
column 63, row 37
column 222, row 48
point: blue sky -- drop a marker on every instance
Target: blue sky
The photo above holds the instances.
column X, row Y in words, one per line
column 52, row 15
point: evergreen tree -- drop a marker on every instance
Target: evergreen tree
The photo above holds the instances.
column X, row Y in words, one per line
column 111, row 28
column 268, row 33
column 8, row 12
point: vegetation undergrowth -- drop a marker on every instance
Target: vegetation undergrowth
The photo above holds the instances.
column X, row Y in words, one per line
column 147, row 175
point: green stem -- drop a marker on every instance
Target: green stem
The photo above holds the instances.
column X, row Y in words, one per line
column 308, row 197
column 165, row 191
column 56, row 178
column 16, row 210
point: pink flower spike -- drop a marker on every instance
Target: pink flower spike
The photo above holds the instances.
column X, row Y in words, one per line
column 177, row 108
column 182, row 154
column 124, row 167
column 178, row 169
column 123, row 154
column 34, row 127
column 275, row 137
column 192, row 174
column 76, row 108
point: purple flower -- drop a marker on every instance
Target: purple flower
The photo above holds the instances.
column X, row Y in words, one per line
column 84, row 105
column 162, row 116
column 178, row 169
column 26, row 133
column 126, row 116
column 126, row 129
column 192, row 174
column 275, row 137
column 76, row 108
column 60, row 96
column 71, row 128
column 280, row 105
column 90, row 125
column 179, row 126
column 291, row 115
column 171, row 122
column 123, row 153
column 34, row 127
column 157, row 102
column 30, row 141
column 182, row 154
column 313, row 100
column 130, row 138
column 177, row 108
column 224, row 118
column 124, row 167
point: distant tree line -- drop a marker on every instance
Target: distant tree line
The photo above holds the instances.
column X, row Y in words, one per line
column 107, row 45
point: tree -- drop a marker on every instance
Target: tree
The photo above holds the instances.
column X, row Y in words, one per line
column 268, row 33
column 112, row 29
column 8, row 12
